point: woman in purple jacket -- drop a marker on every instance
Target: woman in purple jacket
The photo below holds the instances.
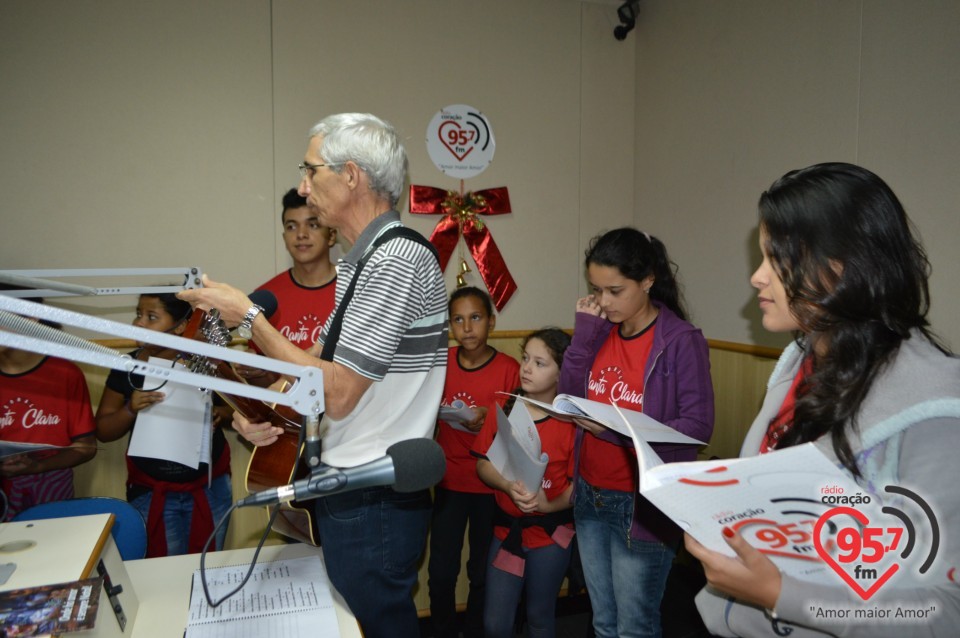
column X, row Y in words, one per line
column 631, row 345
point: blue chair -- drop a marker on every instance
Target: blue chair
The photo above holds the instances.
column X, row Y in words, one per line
column 129, row 531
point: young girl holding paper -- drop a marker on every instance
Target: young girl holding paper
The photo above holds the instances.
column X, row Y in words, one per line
column 179, row 504
column 533, row 524
column 631, row 345
column 476, row 373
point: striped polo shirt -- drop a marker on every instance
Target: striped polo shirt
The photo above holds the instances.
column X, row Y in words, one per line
column 395, row 333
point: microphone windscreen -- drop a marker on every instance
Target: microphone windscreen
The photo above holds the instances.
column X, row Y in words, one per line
column 417, row 464
column 266, row 300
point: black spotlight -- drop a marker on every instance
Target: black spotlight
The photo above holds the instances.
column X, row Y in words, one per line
column 628, row 19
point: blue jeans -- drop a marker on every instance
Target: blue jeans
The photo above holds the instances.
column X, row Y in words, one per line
column 372, row 541
column 625, row 577
column 178, row 512
column 543, row 574
column 451, row 512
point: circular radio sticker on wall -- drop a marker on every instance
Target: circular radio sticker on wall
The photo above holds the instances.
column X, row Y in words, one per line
column 460, row 141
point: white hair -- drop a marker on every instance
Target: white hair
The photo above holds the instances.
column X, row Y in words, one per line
column 369, row 142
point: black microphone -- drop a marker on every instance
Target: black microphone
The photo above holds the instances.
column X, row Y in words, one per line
column 266, row 300
column 409, row 466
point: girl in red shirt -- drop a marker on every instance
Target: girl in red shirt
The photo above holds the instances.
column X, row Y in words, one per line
column 533, row 524
column 476, row 374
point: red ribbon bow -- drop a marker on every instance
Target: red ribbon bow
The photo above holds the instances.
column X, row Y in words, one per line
column 460, row 216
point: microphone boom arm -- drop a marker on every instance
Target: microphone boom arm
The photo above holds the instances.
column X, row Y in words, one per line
column 305, row 396
column 37, row 285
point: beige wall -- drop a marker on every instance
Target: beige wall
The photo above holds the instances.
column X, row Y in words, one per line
column 163, row 134
column 730, row 95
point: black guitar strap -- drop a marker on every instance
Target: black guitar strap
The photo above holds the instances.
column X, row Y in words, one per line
column 333, row 334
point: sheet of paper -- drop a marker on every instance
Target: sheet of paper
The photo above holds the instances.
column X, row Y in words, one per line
column 36, row 450
column 566, row 408
column 773, row 500
column 516, row 451
column 456, row 414
column 174, row 429
column 286, row 598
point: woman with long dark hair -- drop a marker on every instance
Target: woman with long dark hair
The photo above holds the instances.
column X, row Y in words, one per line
column 864, row 379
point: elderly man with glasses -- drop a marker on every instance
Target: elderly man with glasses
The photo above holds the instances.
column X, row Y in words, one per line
column 384, row 377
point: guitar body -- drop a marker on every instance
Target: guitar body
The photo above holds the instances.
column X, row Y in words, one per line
column 270, row 466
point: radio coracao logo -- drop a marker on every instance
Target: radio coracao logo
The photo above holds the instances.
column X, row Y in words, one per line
column 867, row 547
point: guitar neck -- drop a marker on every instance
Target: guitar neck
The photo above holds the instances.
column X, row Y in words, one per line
column 207, row 327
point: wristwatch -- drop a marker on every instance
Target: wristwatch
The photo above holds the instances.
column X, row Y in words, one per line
column 245, row 329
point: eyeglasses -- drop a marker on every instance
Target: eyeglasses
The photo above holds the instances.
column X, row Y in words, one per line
column 309, row 170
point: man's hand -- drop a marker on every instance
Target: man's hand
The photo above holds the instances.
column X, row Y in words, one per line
column 232, row 303
column 259, row 434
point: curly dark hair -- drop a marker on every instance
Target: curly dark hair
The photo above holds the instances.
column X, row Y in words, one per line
column 855, row 277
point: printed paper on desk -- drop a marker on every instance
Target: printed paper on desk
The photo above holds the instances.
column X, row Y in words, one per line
column 456, row 414
column 773, row 500
column 516, row 451
column 283, row 599
column 175, row 428
column 628, row 422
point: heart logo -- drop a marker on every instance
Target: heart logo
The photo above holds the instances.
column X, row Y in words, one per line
column 854, row 539
column 457, row 139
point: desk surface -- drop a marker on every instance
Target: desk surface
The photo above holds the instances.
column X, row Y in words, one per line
column 162, row 586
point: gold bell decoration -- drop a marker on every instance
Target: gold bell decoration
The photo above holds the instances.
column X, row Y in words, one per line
column 464, row 269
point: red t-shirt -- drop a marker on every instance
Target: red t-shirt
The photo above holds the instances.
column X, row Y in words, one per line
column 617, row 375
column 556, row 440
column 301, row 311
column 476, row 388
column 49, row 404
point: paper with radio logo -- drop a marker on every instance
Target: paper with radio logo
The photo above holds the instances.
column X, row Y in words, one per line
column 800, row 509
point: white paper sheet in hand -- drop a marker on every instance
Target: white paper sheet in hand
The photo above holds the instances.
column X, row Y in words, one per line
column 773, row 500
column 456, row 414
column 627, row 422
column 175, row 428
column 516, row 451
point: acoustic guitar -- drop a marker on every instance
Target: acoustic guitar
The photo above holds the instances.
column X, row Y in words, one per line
column 270, row 466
